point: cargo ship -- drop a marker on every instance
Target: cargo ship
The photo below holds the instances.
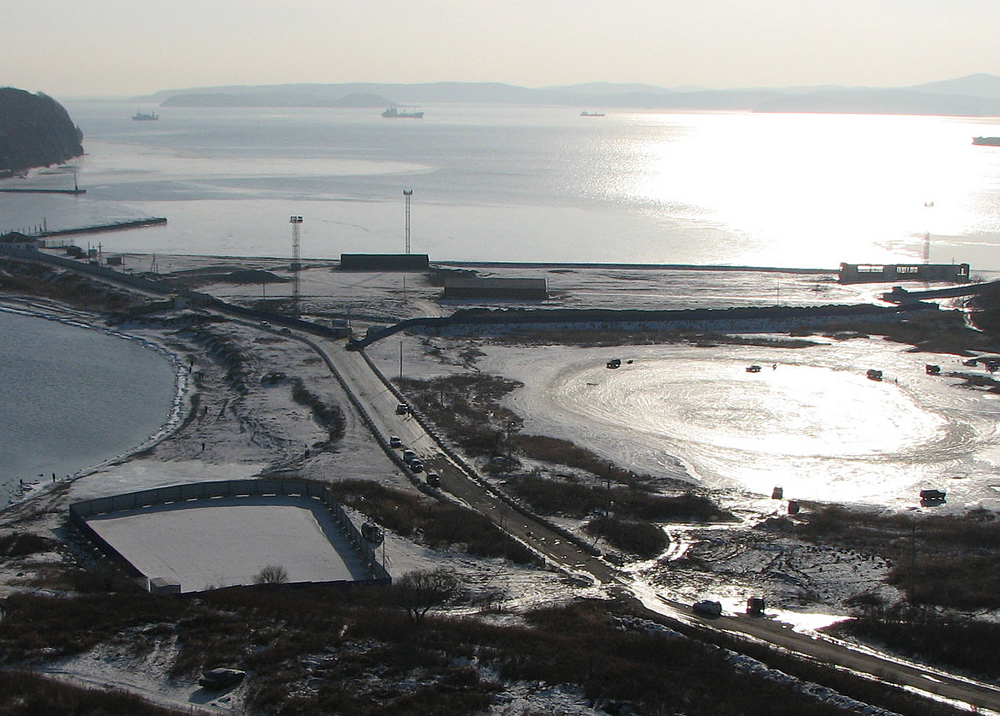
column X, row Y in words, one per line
column 395, row 113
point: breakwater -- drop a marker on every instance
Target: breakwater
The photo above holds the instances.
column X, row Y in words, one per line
column 99, row 228
column 43, row 191
column 742, row 320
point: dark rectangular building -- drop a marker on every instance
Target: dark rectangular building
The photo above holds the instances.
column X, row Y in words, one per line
column 878, row 273
column 384, row 262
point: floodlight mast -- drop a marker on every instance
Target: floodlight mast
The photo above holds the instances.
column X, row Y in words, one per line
column 296, row 222
column 407, row 193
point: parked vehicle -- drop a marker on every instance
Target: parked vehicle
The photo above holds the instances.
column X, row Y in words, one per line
column 755, row 606
column 932, row 369
column 217, row 679
column 753, row 369
column 408, row 456
column 433, row 479
column 707, row 608
column 932, row 495
column 874, row 374
column 395, row 442
column 416, row 466
column 615, row 363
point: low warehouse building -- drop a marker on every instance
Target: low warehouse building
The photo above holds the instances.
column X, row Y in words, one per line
column 524, row 289
column 384, row 262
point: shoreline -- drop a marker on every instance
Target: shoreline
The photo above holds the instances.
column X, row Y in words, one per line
column 178, row 407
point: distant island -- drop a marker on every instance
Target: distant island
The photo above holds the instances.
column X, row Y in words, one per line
column 35, row 131
column 972, row 96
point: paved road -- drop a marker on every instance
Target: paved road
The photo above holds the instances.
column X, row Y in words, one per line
column 381, row 404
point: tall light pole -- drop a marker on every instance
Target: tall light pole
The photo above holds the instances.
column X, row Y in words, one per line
column 407, row 193
column 296, row 222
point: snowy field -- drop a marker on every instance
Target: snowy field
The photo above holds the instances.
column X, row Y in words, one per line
column 209, row 544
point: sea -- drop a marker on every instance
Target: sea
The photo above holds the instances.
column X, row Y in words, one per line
column 489, row 184
column 74, row 397
column 532, row 184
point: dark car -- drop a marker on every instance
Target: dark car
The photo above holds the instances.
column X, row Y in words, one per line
column 221, row 679
column 402, row 409
column 395, row 442
column 416, row 466
column 433, row 479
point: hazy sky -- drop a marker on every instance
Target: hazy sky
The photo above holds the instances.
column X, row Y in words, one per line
column 71, row 48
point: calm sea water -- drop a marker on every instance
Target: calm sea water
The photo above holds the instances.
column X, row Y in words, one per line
column 72, row 398
column 536, row 184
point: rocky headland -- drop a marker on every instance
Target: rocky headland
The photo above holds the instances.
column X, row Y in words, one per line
column 35, row 131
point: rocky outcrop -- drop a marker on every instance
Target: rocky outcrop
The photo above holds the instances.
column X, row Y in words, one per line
column 35, row 131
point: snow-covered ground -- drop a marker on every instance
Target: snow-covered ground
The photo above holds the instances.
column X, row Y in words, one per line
column 213, row 543
column 677, row 410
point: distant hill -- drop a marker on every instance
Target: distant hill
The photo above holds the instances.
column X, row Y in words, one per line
column 35, row 131
column 975, row 96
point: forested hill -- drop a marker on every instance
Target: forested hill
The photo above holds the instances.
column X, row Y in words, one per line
column 35, row 131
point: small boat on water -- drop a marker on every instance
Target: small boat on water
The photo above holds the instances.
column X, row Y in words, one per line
column 585, row 113
column 986, row 141
column 753, row 369
column 396, row 113
column 144, row 117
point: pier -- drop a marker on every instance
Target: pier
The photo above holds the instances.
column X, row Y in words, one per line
column 25, row 190
column 98, row 228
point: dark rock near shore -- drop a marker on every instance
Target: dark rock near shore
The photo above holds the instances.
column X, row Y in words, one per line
column 35, row 131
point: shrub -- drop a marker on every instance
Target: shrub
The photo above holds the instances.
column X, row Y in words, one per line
column 639, row 538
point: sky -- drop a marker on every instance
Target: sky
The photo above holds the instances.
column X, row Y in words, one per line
column 123, row 48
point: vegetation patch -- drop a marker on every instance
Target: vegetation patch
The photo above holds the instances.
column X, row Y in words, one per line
column 25, row 544
column 359, row 651
column 23, row 693
column 439, row 525
column 328, row 416
column 945, row 639
column 30, row 278
column 640, row 538
column 575, row 499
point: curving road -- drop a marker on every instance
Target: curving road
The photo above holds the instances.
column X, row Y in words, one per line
column 380, row 404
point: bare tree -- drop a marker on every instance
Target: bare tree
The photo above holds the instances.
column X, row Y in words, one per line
column 419, row 592
column 271, row 574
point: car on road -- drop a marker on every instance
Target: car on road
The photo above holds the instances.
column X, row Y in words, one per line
column 218, row 679
column 409, row 456
column 402, row 409
column 395, row 442
column 433, row 479
column 416, row 466
column 707, row 608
